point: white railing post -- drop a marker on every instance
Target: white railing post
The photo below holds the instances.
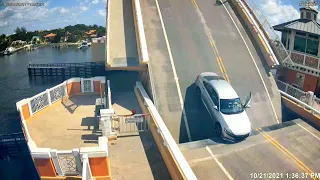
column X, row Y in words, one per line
column 56, row 163
column 81, row 84
column 304, row 59
column 65, row 89
column 310, row 98
column 92, row 85
column 106, row 121
column 287, row 85
column 109, row 94
column 318, row 59
column 76, row 154
column 29, row 105
column 86, row 170
column 49, row 98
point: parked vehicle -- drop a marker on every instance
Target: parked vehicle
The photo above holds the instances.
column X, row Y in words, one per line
column 9, row 51
column 231, row 121
column 84, row 45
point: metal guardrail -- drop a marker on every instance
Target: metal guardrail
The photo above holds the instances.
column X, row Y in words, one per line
column 304, row 105
column 293, row 91
column 280, row 50
column 300, row 97
column 169, row 142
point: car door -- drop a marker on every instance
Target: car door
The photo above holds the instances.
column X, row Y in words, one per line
column 211, row 99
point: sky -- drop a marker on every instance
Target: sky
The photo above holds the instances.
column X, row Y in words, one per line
column 60, row 13
column 53, row 14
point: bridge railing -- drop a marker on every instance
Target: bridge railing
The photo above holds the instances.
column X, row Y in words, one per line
column 173, row 157
column 268, row 30
column 307, row 99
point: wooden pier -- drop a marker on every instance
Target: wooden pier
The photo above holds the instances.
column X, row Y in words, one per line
column 13, row 145
column 67, row 70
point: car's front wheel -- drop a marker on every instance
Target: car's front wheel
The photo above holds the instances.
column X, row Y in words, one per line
column 218, row 129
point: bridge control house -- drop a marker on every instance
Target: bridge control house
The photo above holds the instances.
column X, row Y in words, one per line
column 301, row 39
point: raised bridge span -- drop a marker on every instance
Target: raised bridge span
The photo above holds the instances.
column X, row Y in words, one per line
column 185, row 38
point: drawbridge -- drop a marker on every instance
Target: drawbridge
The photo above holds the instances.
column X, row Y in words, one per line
column 185, row 38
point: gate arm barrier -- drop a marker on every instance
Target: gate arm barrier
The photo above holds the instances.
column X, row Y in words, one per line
column 168, row 141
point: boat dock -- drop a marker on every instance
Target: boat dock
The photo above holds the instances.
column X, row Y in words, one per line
column 67, row 70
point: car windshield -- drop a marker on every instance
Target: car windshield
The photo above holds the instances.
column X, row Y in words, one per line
column 231, row 106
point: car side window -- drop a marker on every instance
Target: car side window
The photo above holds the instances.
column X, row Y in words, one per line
column 212, row 93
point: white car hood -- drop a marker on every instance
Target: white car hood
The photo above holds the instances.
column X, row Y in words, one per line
column 239, row 124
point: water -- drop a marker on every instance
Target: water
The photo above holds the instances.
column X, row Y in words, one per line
column 16, row 85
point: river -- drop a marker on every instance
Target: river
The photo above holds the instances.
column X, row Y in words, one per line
column 16, row 85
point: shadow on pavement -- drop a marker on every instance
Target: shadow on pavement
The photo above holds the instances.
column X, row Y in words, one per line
column 129, row 34
column 252, row 40
column 157, row 165
column 198, row 118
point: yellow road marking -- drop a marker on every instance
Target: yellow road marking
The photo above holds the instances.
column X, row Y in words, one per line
column 287, row 153
column 224, row 72
column 212, row 44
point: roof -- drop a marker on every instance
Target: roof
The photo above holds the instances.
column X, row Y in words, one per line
column 309, row 8
column 304, row 25
column 224, row 89
column 50, row 35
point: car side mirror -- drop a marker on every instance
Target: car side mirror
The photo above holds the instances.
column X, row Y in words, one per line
column 215, row 107
column 248, row 100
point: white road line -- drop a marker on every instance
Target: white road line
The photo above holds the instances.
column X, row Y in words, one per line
column 309, row 131
column 174, row 72
column 219, row 164
column 274, row 111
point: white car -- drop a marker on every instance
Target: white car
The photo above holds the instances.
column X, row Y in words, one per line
column 224, row 106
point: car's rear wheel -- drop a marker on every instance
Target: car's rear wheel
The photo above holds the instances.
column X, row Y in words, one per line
column 198, row 91
column 218, row 129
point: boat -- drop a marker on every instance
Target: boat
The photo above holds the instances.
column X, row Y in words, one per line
column 9, row 51
column 83, row 45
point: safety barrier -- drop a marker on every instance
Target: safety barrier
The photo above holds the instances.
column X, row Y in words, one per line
column 305, row 97
column 257, row 32
column 301, row 108
column 140, row 35
column 107, row 54
column 175, row 161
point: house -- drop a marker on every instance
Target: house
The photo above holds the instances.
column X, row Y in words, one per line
column 49, row 37
column 301, row 38
column 91, row 33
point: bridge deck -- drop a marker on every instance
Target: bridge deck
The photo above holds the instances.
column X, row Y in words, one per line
column 257, row 154
column 123, row 46
column 191, row 30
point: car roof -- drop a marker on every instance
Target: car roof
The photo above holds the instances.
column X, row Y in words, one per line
column 224, row 89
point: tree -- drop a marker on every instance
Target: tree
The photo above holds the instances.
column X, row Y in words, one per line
column 21, row 33
column 57, row 38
